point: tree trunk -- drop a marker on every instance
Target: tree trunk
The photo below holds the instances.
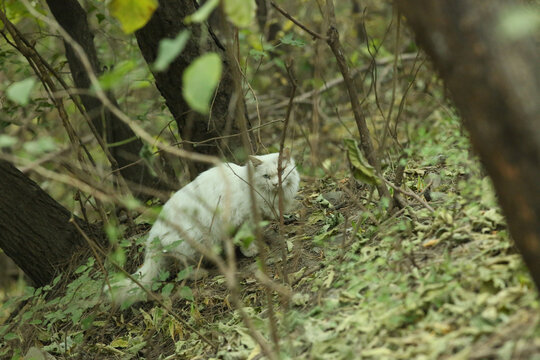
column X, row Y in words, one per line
column 494, row 79
column 35, row 231
column 72, row 17
column 167, row 22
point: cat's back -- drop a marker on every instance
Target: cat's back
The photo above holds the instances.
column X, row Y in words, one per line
column 209, row 188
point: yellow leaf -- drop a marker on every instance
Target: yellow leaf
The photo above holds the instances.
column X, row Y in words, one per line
column 132, row 14
column 329, row 280
column 431, row 243
column 119, row 343
column 255, row 353
column 175, row 330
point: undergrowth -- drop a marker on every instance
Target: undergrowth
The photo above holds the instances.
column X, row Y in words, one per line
column 436, row 279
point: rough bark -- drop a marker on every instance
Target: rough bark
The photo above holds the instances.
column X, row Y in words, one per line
column 72, row 17
column 494, row 80
column 167, row 22
column 35, row 231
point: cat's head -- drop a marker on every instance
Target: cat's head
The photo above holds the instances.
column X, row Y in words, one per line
column 265, row 174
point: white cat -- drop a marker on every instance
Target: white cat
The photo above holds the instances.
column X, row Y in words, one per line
column 216, row 201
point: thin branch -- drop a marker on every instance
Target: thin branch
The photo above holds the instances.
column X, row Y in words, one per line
column 102, row 96
column 227, row 136
column 411, row 194
column 284, row 291
column 388, row 118
column 96, row 248
column 284, row 252
column 298, row 23
column 237, row 103
column 337, row 81
column 365, row 137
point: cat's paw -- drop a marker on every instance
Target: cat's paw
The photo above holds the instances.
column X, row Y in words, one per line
column 251, row 250
column 123, row 292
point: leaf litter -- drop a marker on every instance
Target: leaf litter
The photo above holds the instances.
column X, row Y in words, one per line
column 365, row 285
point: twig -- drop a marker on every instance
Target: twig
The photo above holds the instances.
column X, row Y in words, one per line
column 284, row 291
column 411, row 194
column 35, row 61
column 290, row 72
column 52, row 155
column 409, row 86
column 102, row 96
column 335, row 82
column 227, row 136
column 237, row 103
column 94, row 247
column 365, row 137
column 386, row 128
column 298, row 23
column 398, row 179
column 35, row 57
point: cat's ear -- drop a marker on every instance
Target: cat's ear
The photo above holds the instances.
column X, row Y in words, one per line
column 254, row 161
column 286, row 154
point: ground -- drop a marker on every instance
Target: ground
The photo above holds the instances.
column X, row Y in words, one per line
column 362, row 283
column 437, row 279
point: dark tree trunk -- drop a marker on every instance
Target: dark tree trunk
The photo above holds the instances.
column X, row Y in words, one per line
column 35, row 231
column 72, row 17
column 494, row 79
column 167, row 22
column 358, row 15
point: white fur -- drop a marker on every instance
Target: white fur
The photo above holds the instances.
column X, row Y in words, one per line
column 217, row 200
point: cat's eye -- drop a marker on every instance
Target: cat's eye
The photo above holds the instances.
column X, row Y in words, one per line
column 266, row 176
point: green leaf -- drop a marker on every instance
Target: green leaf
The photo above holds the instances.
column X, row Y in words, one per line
column 184, row 274
column 118, row 256
column 113, row 232
column 80, row 269
column 75, row 315
column 361, row 169
column 166, row 291
column 203, row 12
column 7, row 141
column 115, row 76
column 240, row 12
column 169, row 49
column 100, row 17
column 19, row 92
column 40, row 146
column 200, row 80
column 131, row 202
column 132, row 14
column 186, row 293
column 10, row 336
column 164, row 275
column 244, row 236
column 57, row 279
column 518, row 22
column 87, row 322
column 289, row 40
column 257, row 54
column 15, row 11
